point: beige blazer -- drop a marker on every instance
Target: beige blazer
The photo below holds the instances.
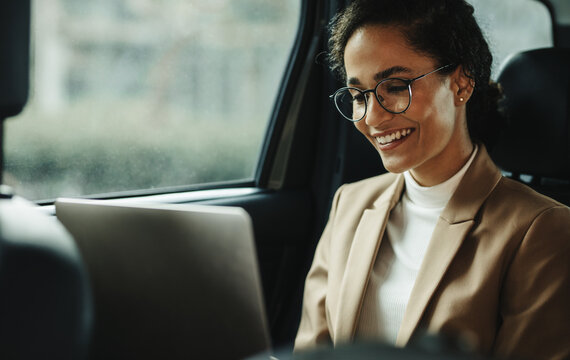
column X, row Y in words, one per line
column 496, row 271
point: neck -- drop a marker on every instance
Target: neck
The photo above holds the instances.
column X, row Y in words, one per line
column 437, row 172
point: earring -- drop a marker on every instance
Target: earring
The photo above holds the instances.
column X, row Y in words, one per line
column 461, row 99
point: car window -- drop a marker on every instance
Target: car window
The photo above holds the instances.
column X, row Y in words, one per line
column 145, row 94
column 513, row 26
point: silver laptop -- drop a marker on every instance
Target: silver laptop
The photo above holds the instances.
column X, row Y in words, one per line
column 169, row 281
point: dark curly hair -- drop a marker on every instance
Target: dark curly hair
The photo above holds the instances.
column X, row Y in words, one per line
column 444, row 30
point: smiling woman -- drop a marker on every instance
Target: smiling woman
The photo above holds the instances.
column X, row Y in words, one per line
column 143, row 96
column 443, row 243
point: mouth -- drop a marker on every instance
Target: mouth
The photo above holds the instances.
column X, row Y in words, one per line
column 392, row 137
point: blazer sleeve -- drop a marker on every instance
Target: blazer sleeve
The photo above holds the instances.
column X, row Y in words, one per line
column 313, row 329
column 535, row 302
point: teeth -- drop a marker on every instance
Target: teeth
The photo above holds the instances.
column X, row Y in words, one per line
column 383, row 140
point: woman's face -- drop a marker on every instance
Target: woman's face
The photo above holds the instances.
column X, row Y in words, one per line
column 431, row 137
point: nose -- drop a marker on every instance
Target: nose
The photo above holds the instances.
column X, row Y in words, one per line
column 376, row 114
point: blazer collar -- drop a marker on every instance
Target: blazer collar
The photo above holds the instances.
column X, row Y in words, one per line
column 451, row 229
column 476, row 185
column 361, row 258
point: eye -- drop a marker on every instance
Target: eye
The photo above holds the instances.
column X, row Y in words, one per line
column 358, row 98
column 395, row 89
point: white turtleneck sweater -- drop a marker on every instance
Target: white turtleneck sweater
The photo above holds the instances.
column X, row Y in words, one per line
column 407, row 236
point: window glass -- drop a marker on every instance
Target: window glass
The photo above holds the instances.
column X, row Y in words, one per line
column 512, row 26
column 146, row 94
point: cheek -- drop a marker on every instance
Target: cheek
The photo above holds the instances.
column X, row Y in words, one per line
column 437, row 115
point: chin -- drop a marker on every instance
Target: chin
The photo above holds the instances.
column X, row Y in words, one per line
column 394, row 168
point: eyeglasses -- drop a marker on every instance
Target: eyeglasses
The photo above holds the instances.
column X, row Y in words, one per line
column 393, row 94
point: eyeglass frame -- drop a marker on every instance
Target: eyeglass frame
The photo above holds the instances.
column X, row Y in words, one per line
column 408, row 82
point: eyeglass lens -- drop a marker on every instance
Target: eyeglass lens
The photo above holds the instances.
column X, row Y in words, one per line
column 393, row 94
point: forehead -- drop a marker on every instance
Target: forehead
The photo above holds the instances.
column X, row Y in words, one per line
column 374, row 48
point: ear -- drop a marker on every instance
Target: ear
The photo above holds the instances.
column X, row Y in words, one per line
column 462, row 86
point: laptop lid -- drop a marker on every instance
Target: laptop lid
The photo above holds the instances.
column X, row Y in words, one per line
column 169, row 281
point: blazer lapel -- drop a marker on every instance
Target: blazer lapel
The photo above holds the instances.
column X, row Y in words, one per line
column 361, row 259
column 445, row 242
column 451, row 229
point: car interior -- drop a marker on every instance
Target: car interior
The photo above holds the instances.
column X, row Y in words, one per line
column 544, row 86
column 47, row 308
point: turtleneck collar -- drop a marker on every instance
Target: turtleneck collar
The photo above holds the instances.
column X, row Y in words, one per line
column 438, row 195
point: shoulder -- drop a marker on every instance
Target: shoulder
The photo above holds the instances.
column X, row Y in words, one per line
column 522, row 201
column 352, row 200
column 367, row 190
column 526, row 217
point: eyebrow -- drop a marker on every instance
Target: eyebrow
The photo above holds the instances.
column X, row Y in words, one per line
column 382, row 74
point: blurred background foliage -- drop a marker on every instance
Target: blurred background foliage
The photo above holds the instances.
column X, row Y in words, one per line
column 119, row 154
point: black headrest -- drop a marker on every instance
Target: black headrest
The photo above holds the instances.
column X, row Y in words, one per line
column 14, row 61
column 536, row 85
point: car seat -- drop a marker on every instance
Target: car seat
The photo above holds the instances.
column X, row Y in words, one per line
column 45, row 302
column 535, row 148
